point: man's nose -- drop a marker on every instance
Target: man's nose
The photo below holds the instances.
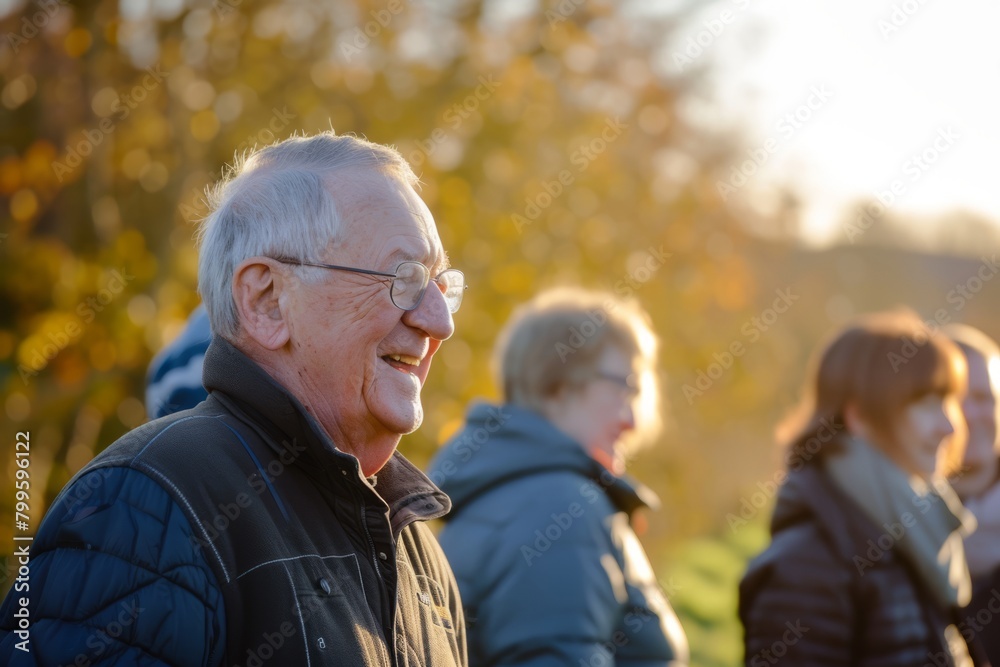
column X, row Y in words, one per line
column 432, row 315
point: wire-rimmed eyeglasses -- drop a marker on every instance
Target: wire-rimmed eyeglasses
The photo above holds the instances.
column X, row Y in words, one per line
column 408, row 284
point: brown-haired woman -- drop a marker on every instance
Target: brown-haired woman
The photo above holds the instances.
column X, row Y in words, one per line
column 865, row 565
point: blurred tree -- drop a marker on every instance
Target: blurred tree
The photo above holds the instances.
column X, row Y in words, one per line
column 551, row 145
column 550, row 148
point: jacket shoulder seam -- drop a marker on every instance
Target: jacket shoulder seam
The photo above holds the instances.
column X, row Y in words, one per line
column 178, row 495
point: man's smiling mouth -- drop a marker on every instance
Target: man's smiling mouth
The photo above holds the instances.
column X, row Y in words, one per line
column 404, row 363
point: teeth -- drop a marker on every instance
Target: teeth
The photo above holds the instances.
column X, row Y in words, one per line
column 405, row 359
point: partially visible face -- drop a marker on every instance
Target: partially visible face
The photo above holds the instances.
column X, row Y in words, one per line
column 919, row 431
column 361, row 361
column 601, row 411
column 979, row 466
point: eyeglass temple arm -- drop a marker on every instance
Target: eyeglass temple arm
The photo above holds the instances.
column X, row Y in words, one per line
column 300, row 262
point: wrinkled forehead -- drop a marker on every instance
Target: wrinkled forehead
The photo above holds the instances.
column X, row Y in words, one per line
column 385, row 214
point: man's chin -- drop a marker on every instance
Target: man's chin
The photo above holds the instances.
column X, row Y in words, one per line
column 403, row 422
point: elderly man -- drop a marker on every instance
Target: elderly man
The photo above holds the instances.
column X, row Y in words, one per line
column 275, row 523
column 978, row 482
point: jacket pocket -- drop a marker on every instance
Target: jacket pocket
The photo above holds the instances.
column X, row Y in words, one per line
column 331, row 622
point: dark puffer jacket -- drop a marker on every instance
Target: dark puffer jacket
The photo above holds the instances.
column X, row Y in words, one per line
column 982, row 617
column 551, row 573
column 831, row 590
column 236, row 534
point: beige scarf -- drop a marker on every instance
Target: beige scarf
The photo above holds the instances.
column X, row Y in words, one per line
column 925, row 521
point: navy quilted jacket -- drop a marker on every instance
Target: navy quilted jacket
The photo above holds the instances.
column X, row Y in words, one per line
column 236, row 534
column 114, row 580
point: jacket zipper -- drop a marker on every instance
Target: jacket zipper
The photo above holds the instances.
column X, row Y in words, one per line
column 383, row 591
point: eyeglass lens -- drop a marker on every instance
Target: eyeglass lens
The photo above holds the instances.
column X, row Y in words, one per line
column 412, row 279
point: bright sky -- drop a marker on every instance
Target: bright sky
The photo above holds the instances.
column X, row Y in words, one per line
column 897, row 74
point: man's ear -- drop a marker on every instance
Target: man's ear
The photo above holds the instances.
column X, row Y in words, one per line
column 257, row 291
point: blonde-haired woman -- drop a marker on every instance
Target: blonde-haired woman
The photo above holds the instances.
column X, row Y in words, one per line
column 549, row 568
column 865, row 565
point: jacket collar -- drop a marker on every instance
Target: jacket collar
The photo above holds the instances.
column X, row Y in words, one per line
column 504, row 442
column 809, row 494
column 285, row 425
column 625, row 492
column 629, row 494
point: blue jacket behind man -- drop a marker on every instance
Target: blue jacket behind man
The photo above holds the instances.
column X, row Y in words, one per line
column 549, row 569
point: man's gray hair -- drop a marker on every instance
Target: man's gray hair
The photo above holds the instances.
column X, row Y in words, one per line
column 277, row 201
